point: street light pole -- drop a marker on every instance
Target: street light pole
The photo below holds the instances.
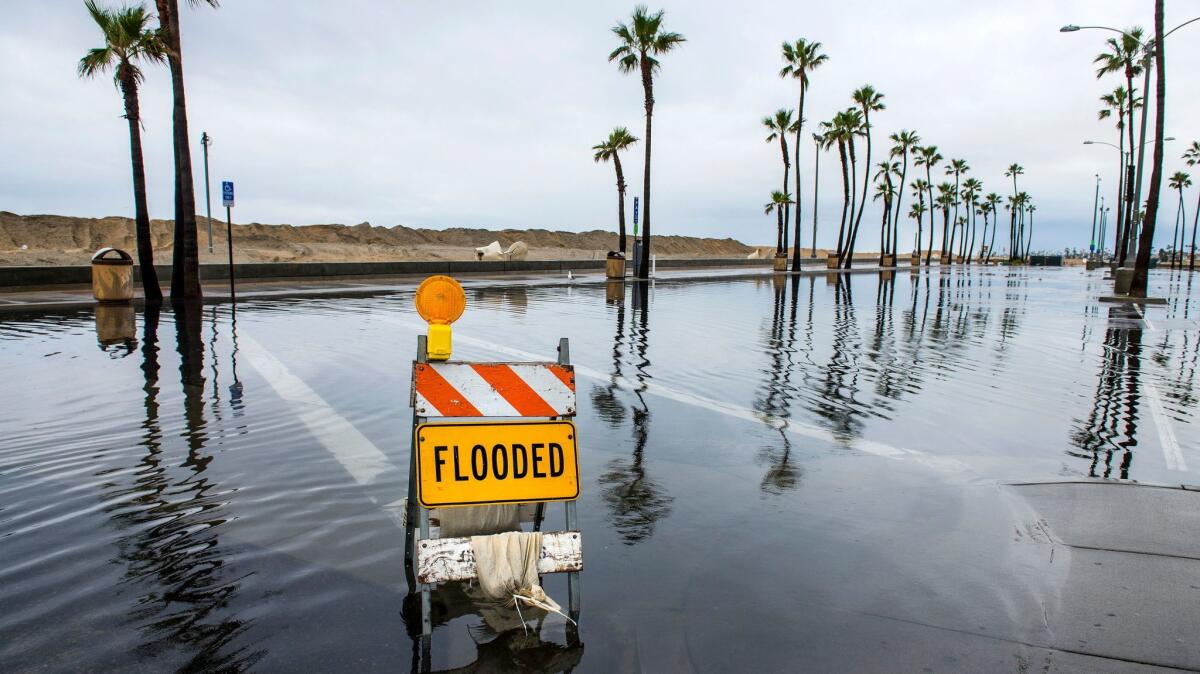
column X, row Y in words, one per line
column 206, row 140
column 1095, row 215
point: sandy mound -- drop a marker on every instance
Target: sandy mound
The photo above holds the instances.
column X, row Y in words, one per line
column 57, row 240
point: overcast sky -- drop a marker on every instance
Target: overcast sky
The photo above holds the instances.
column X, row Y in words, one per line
column 483, row 114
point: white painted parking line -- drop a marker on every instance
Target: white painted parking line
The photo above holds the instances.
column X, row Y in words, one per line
column 1170, row 446
column 358, row 455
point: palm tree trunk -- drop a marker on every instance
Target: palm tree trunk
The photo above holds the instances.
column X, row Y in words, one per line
column 1131, row 208
column 845, row 199
column 1120, row 183
column 995, row 226
column 786, row 207
column 779, row 218
column 946, row 233
column 648, row 87
column 816, row 192
column 866, row 185
column 899, row 198
column 956, row 174
column 974, row 221
column 185, row 273
column 799, row 199
column 1141, row 267
column 620, row 204
column 1195, row 221
column 929, row 191
column 141, row 216
column 883, row 230
column 1029, row 241
column 851, row 232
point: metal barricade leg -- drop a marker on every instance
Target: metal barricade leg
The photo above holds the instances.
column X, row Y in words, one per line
column 426, row 609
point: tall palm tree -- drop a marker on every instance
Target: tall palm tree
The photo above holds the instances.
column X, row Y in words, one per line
column 928, row 157
column 903, row 142
column 1116, row 101
column 128, row 41
column 618, row 139
column 868, row 101
column 779, row 126
column 820, row 143
column 1192, row 157
column 185, row 272
column 917, row 213
column 991, row 201
column 777, row 205
column 920, row 187
column 945, row 199
column 641, row 40
column 1030, row 207
column 971, row 188
column 1013, row 171
column 1124, row 55
column 1141, row 265
column 956, row 167
column 799, row 60
column 885, row 189
column 1179, row 181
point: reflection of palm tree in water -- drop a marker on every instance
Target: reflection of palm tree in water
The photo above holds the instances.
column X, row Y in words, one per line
column 1111, row 426
column 775, row 403
column 637, row 501
column 604, row 398
column 836, row 403
column 169, row 546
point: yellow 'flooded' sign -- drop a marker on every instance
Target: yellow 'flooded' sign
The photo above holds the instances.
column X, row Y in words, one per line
column 507, row 462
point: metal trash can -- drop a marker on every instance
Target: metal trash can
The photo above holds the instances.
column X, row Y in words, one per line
column 112, row 275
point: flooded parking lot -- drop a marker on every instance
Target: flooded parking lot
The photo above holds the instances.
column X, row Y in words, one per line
column 809, row 472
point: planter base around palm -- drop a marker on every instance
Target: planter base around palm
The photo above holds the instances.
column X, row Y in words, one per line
column 915, row 261
column 887, row 261
column 831, row 262
column 779, row 263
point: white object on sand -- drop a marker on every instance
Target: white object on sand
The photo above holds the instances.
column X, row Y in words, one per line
column 493, row 251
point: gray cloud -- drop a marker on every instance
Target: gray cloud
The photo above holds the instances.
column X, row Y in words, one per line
column 483, row 114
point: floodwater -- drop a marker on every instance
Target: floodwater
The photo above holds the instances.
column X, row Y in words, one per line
column 777, row 474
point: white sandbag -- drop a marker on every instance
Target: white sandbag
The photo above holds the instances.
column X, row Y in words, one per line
column 517, row 251
column 492, row 251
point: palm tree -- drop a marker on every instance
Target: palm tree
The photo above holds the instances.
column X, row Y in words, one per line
column 185, row 273
column 126, row 42
column 945, row 199
column 991, row 201
column 956, row 167
column 920, row 188
column 778, row 204
column 1117, row 101
column 1013, row 171
column 886, row 191
column 971, row 188
column 902, row 143
column 868, row 101
column 928, row 157
column 1192, row 157
column 1124, row 55
column 917, row 212
column 618, row 139
column 779, row 126
column 1179, row 181
column 1141, row 265
column 641, row 40
column 1029, row 208
column 799, row 60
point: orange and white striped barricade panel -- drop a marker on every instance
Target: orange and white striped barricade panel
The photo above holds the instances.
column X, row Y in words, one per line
column 453, row 389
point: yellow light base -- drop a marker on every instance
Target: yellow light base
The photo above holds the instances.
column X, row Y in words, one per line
column 437, row 345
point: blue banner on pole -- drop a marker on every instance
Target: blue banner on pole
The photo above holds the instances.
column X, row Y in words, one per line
column 635, row 210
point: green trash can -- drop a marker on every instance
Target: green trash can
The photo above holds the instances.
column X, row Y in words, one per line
column 112, row 275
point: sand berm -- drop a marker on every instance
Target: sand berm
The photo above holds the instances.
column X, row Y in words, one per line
column 62, row 240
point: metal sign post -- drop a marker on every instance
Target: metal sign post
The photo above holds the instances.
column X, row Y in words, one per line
column 227, row 200
column 206, row 140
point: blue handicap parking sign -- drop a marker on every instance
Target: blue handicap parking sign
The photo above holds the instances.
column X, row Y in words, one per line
column 227, row 193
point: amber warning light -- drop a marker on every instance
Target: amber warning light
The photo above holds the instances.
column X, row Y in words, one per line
column 440, row 301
